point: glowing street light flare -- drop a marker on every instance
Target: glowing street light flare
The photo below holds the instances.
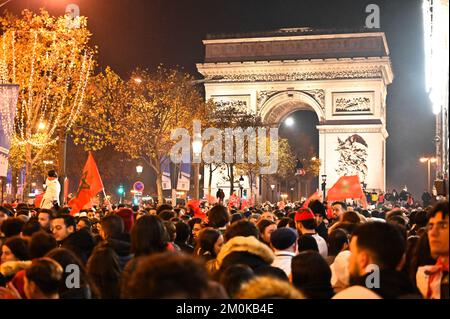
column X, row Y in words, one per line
column 289, row 121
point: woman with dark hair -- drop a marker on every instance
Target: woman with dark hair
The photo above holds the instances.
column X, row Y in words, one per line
column 183, row 234
column 266, row 227
column 312, row 275
column 14, row 258
column 104, row 270
column 15, row 249
column 72, row 264
column 148, row 236
column 195, row 224
column 209, row 243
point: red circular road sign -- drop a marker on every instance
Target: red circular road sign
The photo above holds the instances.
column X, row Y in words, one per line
column 138, row 187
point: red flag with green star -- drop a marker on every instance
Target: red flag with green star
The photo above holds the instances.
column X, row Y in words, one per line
column 90, row 185
column 346, row 187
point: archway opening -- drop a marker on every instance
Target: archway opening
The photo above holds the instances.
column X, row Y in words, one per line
column 300, row 129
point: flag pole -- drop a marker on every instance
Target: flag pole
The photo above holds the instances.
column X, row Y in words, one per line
column 109, row 203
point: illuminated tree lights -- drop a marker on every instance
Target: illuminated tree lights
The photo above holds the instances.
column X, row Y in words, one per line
column 52, row 64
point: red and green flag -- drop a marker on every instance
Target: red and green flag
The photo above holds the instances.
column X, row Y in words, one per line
column 90, row 185
column 346, row 187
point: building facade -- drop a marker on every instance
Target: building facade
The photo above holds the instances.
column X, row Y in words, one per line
column 341, row 77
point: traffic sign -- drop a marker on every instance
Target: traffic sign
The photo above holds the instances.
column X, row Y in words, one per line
column 138, row 187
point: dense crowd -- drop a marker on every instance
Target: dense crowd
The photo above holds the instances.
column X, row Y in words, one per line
column 308, row 250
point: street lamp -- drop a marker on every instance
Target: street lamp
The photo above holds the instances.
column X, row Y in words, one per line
column 292, row 194
column 139, row 169
column 428, row 160
column 324, row 186
column 273, row 188
column 197, row 146
column 241, row 184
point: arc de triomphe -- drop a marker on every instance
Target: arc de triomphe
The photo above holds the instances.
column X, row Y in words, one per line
column 342, row 77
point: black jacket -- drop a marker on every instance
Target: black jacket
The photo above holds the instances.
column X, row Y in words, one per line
column 322, row 231
column 393, row 285
column 122, row 249
column 81, row 243
column 186, row 248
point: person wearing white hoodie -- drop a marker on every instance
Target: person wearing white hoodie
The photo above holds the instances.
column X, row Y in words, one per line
column 52, row 191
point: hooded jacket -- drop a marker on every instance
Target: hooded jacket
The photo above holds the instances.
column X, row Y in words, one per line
column 243, row 250
column 122, row 248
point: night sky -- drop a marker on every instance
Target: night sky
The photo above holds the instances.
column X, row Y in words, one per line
column 145, row 33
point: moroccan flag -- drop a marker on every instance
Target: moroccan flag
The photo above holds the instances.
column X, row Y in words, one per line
column 346, row 187
column 90, row 185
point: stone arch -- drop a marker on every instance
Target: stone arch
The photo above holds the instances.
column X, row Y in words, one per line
column 282, row 104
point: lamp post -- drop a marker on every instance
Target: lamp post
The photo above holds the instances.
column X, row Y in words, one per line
column 273, row 188
column 324, row 186
column 241, row 184
column 197, row 146
column 428, row 160
column 139, row 169
column 292, row 194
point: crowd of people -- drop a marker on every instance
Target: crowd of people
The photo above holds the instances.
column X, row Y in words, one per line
column 311, row 250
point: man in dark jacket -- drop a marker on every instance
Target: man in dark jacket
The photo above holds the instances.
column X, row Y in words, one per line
column 374, row 264
column 320, row 214
column 112, row 231
column 220, row 195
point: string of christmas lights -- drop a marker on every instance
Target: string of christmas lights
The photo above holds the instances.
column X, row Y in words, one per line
column 40, row 112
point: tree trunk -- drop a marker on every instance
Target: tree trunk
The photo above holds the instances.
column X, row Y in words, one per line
column 250, row 179
column 26, row 179
column 231, row 179
column 210, row 179
column 159, row 187
column 13, row 184
column 231, row 167
column 62, row 142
